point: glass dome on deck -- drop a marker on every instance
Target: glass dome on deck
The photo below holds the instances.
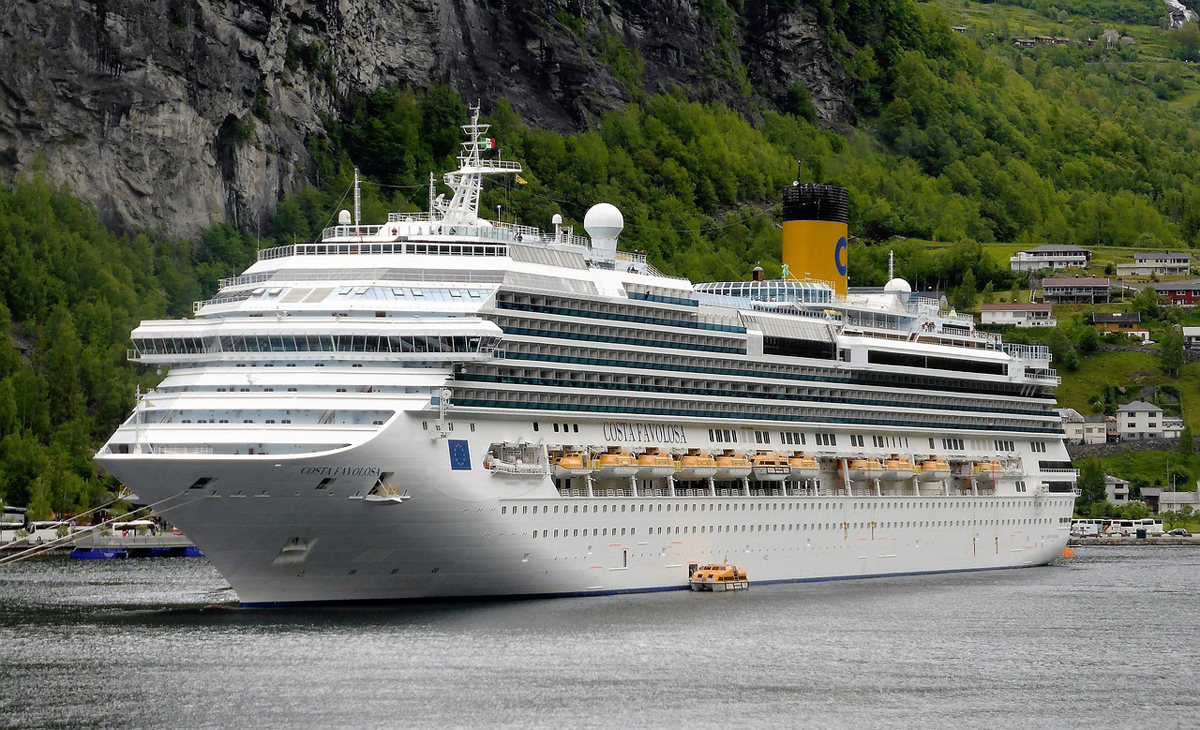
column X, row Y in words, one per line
column 773, row 290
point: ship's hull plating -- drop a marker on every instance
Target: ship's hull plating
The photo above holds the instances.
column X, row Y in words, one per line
column 281, row 537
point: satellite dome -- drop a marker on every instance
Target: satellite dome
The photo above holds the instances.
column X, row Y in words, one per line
column 556, row 220
column 603, row 220
column 344, row 218
column 897, row 286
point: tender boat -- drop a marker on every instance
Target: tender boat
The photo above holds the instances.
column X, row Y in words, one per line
column 897, row 469
column 653, row 464
column 614, row 464
column 696, row 465
column 719, row 577
column 862, row 470
column 571, row 464
column 733, row 466
column 801, row 466
column 934, row 470
column 769, row 466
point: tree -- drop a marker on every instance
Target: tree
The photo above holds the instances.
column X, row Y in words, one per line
column 1146, row 303
column 1091, row 483
column 1186, row 442
column 1170, row 351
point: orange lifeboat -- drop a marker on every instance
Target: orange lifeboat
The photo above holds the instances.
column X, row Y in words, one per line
column 863, row 470
column 934, row 470
column 695, row 465
column 897, row 469
column 733, row 466
column 570, row 464
column 614, row 464
column 988, row 471
column 654, row 464
column 802, row 466
column 769, row 466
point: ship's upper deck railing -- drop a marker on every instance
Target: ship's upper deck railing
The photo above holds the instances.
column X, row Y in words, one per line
column 401, row 224
column 1028, row 352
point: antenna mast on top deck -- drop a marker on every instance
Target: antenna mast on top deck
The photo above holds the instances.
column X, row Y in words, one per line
column 357, row 200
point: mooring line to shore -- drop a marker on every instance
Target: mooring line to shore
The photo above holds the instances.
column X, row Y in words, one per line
column 37, row 550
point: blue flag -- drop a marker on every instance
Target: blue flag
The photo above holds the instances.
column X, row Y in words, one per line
column 460, row 456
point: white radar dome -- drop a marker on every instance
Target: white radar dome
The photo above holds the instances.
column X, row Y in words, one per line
column 897, row 286
column 344, row 218
column 556, row 220
column 603, row 221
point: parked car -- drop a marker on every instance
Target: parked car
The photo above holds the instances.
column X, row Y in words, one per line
column 1180, row 532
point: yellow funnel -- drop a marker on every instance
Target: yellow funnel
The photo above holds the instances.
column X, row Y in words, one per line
column 815, row 233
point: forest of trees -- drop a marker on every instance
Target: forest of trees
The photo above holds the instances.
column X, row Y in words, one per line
column 961, row 141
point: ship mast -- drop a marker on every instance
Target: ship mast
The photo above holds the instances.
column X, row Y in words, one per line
column 467, row 181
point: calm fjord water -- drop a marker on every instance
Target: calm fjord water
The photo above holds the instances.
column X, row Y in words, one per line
column 1107, row 639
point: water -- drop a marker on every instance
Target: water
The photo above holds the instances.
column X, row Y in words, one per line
column 1106, row 639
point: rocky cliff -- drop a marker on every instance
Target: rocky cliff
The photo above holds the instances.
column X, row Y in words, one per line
column 183, row 113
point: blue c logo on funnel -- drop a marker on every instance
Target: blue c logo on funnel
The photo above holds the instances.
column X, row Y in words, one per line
column 839, row 255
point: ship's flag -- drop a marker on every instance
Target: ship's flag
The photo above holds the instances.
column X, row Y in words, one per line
column 520, row 180
column 460, row 455
column 489, row 143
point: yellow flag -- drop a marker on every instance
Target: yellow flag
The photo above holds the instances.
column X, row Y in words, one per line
column 520, row 180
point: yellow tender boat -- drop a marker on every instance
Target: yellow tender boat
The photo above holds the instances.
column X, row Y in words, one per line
column 719, row 577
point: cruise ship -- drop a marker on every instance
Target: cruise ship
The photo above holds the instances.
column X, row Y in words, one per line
column 443, row 405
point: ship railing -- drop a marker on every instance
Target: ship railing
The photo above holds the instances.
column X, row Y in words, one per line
column 244, row 279
column 178, row 449
column 1068, row 472
column 423, row 216
column 1028, row 352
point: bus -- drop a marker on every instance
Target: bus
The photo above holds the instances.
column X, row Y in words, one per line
column 1150, row 526
column 43, row 531
column 12, row 520
column 1087, row 527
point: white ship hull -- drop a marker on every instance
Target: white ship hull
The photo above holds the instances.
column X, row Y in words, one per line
column 464, row 533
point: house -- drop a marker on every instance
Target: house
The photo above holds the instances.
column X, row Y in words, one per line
column 1116, row 321
column 1172, row 427
column 1161, row 500
column 959, row 28
column 1116, row 490
column 1080, row 429
column 1075, row 289
column 1024, row 42
column 1159, row 263
column 1018, row 314
column 1191, row 338
column 1140, row 420
column 1179, row 293
column 1050, row 257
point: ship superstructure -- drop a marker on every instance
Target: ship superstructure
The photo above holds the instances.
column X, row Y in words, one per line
column 444, row 405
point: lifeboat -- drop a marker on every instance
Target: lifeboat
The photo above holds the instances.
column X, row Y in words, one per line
column 695, row 465
column 770, row 466
column 614, row 464
column 987, row 471
column 801, row 466
column 934, row 470
column 570, row 465
column 862, row 470
column 654, row 464
column 733, row 466
column 721, row 577
column 897, row 469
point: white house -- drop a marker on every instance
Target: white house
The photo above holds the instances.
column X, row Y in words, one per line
column 1162, row 263
column 1139, row 420
column 1082, row 429
column 1018, row 314
column 1191, row 338
column 1116, row 490
column 1050, row 257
